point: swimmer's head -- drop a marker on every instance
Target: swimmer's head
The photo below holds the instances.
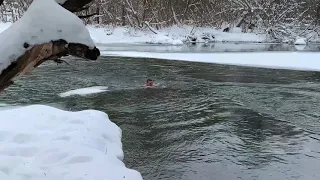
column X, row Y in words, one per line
column 149, row 82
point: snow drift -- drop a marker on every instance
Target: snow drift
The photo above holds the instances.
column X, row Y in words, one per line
column 40, row 142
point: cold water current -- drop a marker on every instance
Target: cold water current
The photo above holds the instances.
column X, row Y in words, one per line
column 202, row 122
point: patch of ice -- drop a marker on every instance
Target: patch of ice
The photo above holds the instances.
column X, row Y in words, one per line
column 44, row 143
column 274, row 60
column 44, row 21
column 85, row 91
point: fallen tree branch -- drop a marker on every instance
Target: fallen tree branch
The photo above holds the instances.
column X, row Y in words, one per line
column 76, row 5
column 41, row 53
column 87, row 16
column 37, row 54
column 150, row 28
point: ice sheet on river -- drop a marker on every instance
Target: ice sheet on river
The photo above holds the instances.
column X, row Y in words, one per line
column 84, row 91
column 274, row 60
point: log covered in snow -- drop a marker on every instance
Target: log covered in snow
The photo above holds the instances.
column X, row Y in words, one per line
column 47, row 31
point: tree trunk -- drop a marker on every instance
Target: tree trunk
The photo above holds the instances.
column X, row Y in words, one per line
column 123, row 15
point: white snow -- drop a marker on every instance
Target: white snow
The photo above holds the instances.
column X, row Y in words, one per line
column 164, row 40
column 300, row 41
column 275, row 60
column 84, row 91
column 44, row 143
column 45, row 20
column 168, row 36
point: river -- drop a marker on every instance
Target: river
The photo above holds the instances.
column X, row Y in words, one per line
column 204, row 121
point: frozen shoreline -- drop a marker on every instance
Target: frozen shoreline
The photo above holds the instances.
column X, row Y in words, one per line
column 168, row 36
column 305, row 61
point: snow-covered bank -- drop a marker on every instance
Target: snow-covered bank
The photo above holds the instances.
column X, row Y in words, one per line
column 41, row 142
column 84, row 91
column 168, row 36
column 275, row 60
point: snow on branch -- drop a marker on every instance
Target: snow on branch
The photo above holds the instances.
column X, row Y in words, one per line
column 46, row 31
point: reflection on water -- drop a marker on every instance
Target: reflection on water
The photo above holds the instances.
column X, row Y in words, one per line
column 212, row 47
column 205, row 121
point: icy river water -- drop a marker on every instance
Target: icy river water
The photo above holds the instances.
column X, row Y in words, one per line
column 203, row 122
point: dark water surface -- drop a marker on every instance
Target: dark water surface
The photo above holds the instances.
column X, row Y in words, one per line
column 203, row 122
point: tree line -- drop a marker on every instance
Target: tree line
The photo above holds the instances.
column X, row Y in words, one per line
column 277, row 17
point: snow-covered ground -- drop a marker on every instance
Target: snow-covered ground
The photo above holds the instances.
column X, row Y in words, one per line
column 84, row 91
column 44, row 143
column 168, row 36
column 275, row 60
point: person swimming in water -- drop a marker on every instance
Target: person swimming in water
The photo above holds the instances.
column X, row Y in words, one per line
column 149, row 83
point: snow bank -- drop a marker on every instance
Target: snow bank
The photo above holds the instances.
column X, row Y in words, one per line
column 84, row 91
column 44, row 21
column 44, row 143
column 276, row 60
column 164, row 40
column 300, row 41
column 168, row 36
column 127, row 35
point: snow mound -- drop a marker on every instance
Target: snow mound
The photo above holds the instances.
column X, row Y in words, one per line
column 164, row 40
column 44, row 21
column 300, row 41
column 274, row 60
column 84, row 91
column 44, row 143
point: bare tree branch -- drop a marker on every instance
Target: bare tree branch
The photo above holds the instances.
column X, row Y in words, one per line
column 87, row 16
column 41, row 53
column 76, row 5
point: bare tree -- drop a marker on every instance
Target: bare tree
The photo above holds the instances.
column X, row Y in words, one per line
column 279, row 18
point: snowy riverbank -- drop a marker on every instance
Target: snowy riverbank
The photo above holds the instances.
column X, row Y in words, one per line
column 43, row 142
column 168, row 36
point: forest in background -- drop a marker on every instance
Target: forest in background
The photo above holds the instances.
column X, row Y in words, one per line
column 278, row 18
